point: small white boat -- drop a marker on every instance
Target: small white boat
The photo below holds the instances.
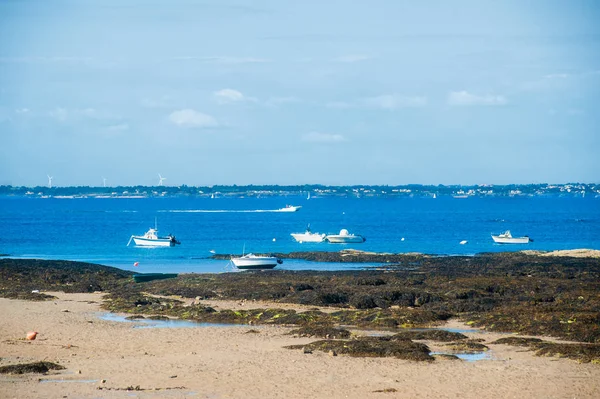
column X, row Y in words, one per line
column 256, row 262
column 344, row 237
column 507, row 238
column 289, row 208
column 151, row 239
column 308, row 236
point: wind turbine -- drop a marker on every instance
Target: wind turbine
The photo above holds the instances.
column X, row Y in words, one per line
column 50, row 181
column 160, row 179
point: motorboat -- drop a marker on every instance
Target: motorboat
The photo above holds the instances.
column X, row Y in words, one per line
column 308, row 236
column 344, row 238
column 151, row 239
column 289, row 208
column 507, row 238
column 255, row 262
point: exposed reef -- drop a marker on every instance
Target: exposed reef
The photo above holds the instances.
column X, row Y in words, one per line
column 507, row 292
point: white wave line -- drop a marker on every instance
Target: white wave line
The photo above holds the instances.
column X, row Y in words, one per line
column 219, row 211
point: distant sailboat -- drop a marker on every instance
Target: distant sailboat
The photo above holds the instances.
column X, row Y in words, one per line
column 308, row 196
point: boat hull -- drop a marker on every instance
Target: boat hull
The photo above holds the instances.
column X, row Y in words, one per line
column 289, row 209
column 342, row 239
column 255, row 263
column 160, row 242
column 511, row 240
column 308, row 237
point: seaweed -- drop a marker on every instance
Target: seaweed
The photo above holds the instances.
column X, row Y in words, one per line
column 321, row 331
column 36, row 367
column 432, row 335
column 506, row 292
column 371, row 347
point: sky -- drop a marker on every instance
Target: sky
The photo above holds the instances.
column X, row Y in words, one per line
column 299, row 92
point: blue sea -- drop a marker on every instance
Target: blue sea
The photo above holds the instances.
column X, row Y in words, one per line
column 98, row 229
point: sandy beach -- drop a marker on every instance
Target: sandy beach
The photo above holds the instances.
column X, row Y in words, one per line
column 249, row 362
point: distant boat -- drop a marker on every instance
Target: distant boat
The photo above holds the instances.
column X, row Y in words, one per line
column 308, row 236
column 151, row 239
column 344, row 237
column 507, row 238
column 289, row 208
column 308, row 196
column 256, row 262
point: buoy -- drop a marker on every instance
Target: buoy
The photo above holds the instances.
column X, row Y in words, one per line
column 274, row 240
column 136, row 264
column 402, row 239
column 463, row 242
column 31, row 335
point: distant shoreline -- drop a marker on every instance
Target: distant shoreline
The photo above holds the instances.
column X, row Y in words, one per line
column 309, row 191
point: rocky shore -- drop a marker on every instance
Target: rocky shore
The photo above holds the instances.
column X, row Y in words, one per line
column 408, row 309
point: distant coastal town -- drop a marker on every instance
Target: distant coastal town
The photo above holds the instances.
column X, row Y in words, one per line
column 309, row 191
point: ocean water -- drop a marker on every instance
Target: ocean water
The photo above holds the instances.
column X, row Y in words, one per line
column 98, row 229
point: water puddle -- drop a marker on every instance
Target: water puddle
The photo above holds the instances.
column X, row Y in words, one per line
column 172, row 323
column 467, row 357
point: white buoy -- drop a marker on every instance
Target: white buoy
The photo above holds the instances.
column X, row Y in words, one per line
column 463, row 242
column 402, row 239
column 274, row 240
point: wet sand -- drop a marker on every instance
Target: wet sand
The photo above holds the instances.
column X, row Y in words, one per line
column 231, row 362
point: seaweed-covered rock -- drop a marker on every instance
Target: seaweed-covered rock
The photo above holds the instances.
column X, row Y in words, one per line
column 467, row 346
column 518, row 341
column 36, row 367
column 372, row 347
column 432, row 335
column 321, row 331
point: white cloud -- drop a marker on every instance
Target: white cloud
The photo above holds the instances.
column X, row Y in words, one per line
column 316, row 137
column 228, row 96
column 191, row 118
column 22, row 110
column 351, row 58
column 466, row 98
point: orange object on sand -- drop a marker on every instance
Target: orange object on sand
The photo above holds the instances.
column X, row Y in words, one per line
column 31, row 335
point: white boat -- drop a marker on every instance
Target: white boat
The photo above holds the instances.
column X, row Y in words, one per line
column 289, row 208
column 255, row 262
column 344, row 237
column 308, row 236
column 151, row 239
column 507, row 238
